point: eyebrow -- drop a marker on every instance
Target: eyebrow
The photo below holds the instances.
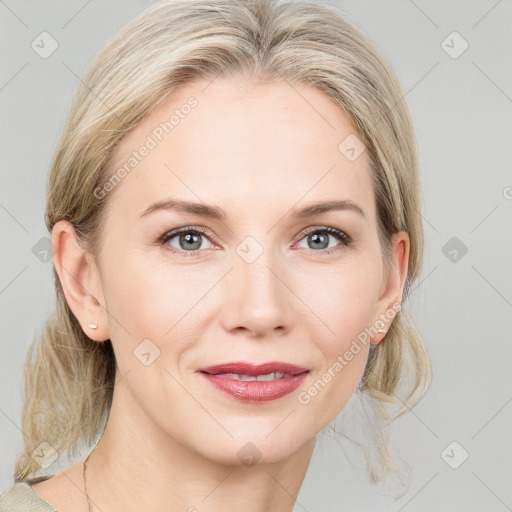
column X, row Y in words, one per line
column 214, row 212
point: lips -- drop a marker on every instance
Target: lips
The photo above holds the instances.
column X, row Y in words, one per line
column 241, row 380
column 252, row 370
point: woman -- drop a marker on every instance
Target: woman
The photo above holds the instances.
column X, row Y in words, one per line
column 234, row 208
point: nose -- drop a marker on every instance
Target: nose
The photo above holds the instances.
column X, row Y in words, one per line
column 256, row 297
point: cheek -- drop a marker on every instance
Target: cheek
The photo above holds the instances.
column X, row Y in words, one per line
column 345, row 303
column 343, row 298
column 157, row 300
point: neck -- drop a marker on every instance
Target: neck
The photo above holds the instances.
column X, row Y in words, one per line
column 129, row 470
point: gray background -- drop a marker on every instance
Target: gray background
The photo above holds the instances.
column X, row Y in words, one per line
column 461, row 109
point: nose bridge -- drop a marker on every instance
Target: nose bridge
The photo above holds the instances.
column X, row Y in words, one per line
column 255, row 296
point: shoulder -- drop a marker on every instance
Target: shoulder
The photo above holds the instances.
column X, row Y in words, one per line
column 22, row 498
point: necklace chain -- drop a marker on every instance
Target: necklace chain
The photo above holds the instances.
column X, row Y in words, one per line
column 85, row 482
column 89, row 503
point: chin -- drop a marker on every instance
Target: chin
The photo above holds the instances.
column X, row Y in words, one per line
column 254, row 449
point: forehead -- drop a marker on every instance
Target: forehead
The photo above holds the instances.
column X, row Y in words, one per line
column 238, row 144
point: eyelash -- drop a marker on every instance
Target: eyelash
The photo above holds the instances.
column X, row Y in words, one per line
column 345, row 239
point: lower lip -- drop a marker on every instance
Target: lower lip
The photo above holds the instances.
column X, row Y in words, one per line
column 256, row 391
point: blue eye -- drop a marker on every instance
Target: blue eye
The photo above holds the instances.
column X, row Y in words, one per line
column 188, row 241
column 319, row 239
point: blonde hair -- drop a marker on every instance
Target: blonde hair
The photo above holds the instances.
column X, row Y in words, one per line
column 69, row 379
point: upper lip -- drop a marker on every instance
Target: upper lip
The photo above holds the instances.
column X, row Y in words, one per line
column 242, row 368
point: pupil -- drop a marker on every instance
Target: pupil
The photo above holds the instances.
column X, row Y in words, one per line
column 322, row 239
column 315, row 238
column 191, row 238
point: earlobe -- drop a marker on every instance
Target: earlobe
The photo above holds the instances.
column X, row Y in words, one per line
column 82, row 291
column 389, row 302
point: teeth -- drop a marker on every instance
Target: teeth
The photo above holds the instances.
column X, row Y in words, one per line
column 268, row 376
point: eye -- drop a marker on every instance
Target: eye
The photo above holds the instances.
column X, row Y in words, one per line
column 186, row 240
column 318, row 238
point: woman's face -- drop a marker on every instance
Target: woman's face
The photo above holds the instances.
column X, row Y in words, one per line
column 262, row 283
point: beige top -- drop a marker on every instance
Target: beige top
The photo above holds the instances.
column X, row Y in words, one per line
column 22, row 498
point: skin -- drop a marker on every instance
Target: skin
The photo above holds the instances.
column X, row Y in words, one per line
column 172, row 439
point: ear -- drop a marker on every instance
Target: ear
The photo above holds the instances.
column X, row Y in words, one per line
column 392, row 288
column 81, row 281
